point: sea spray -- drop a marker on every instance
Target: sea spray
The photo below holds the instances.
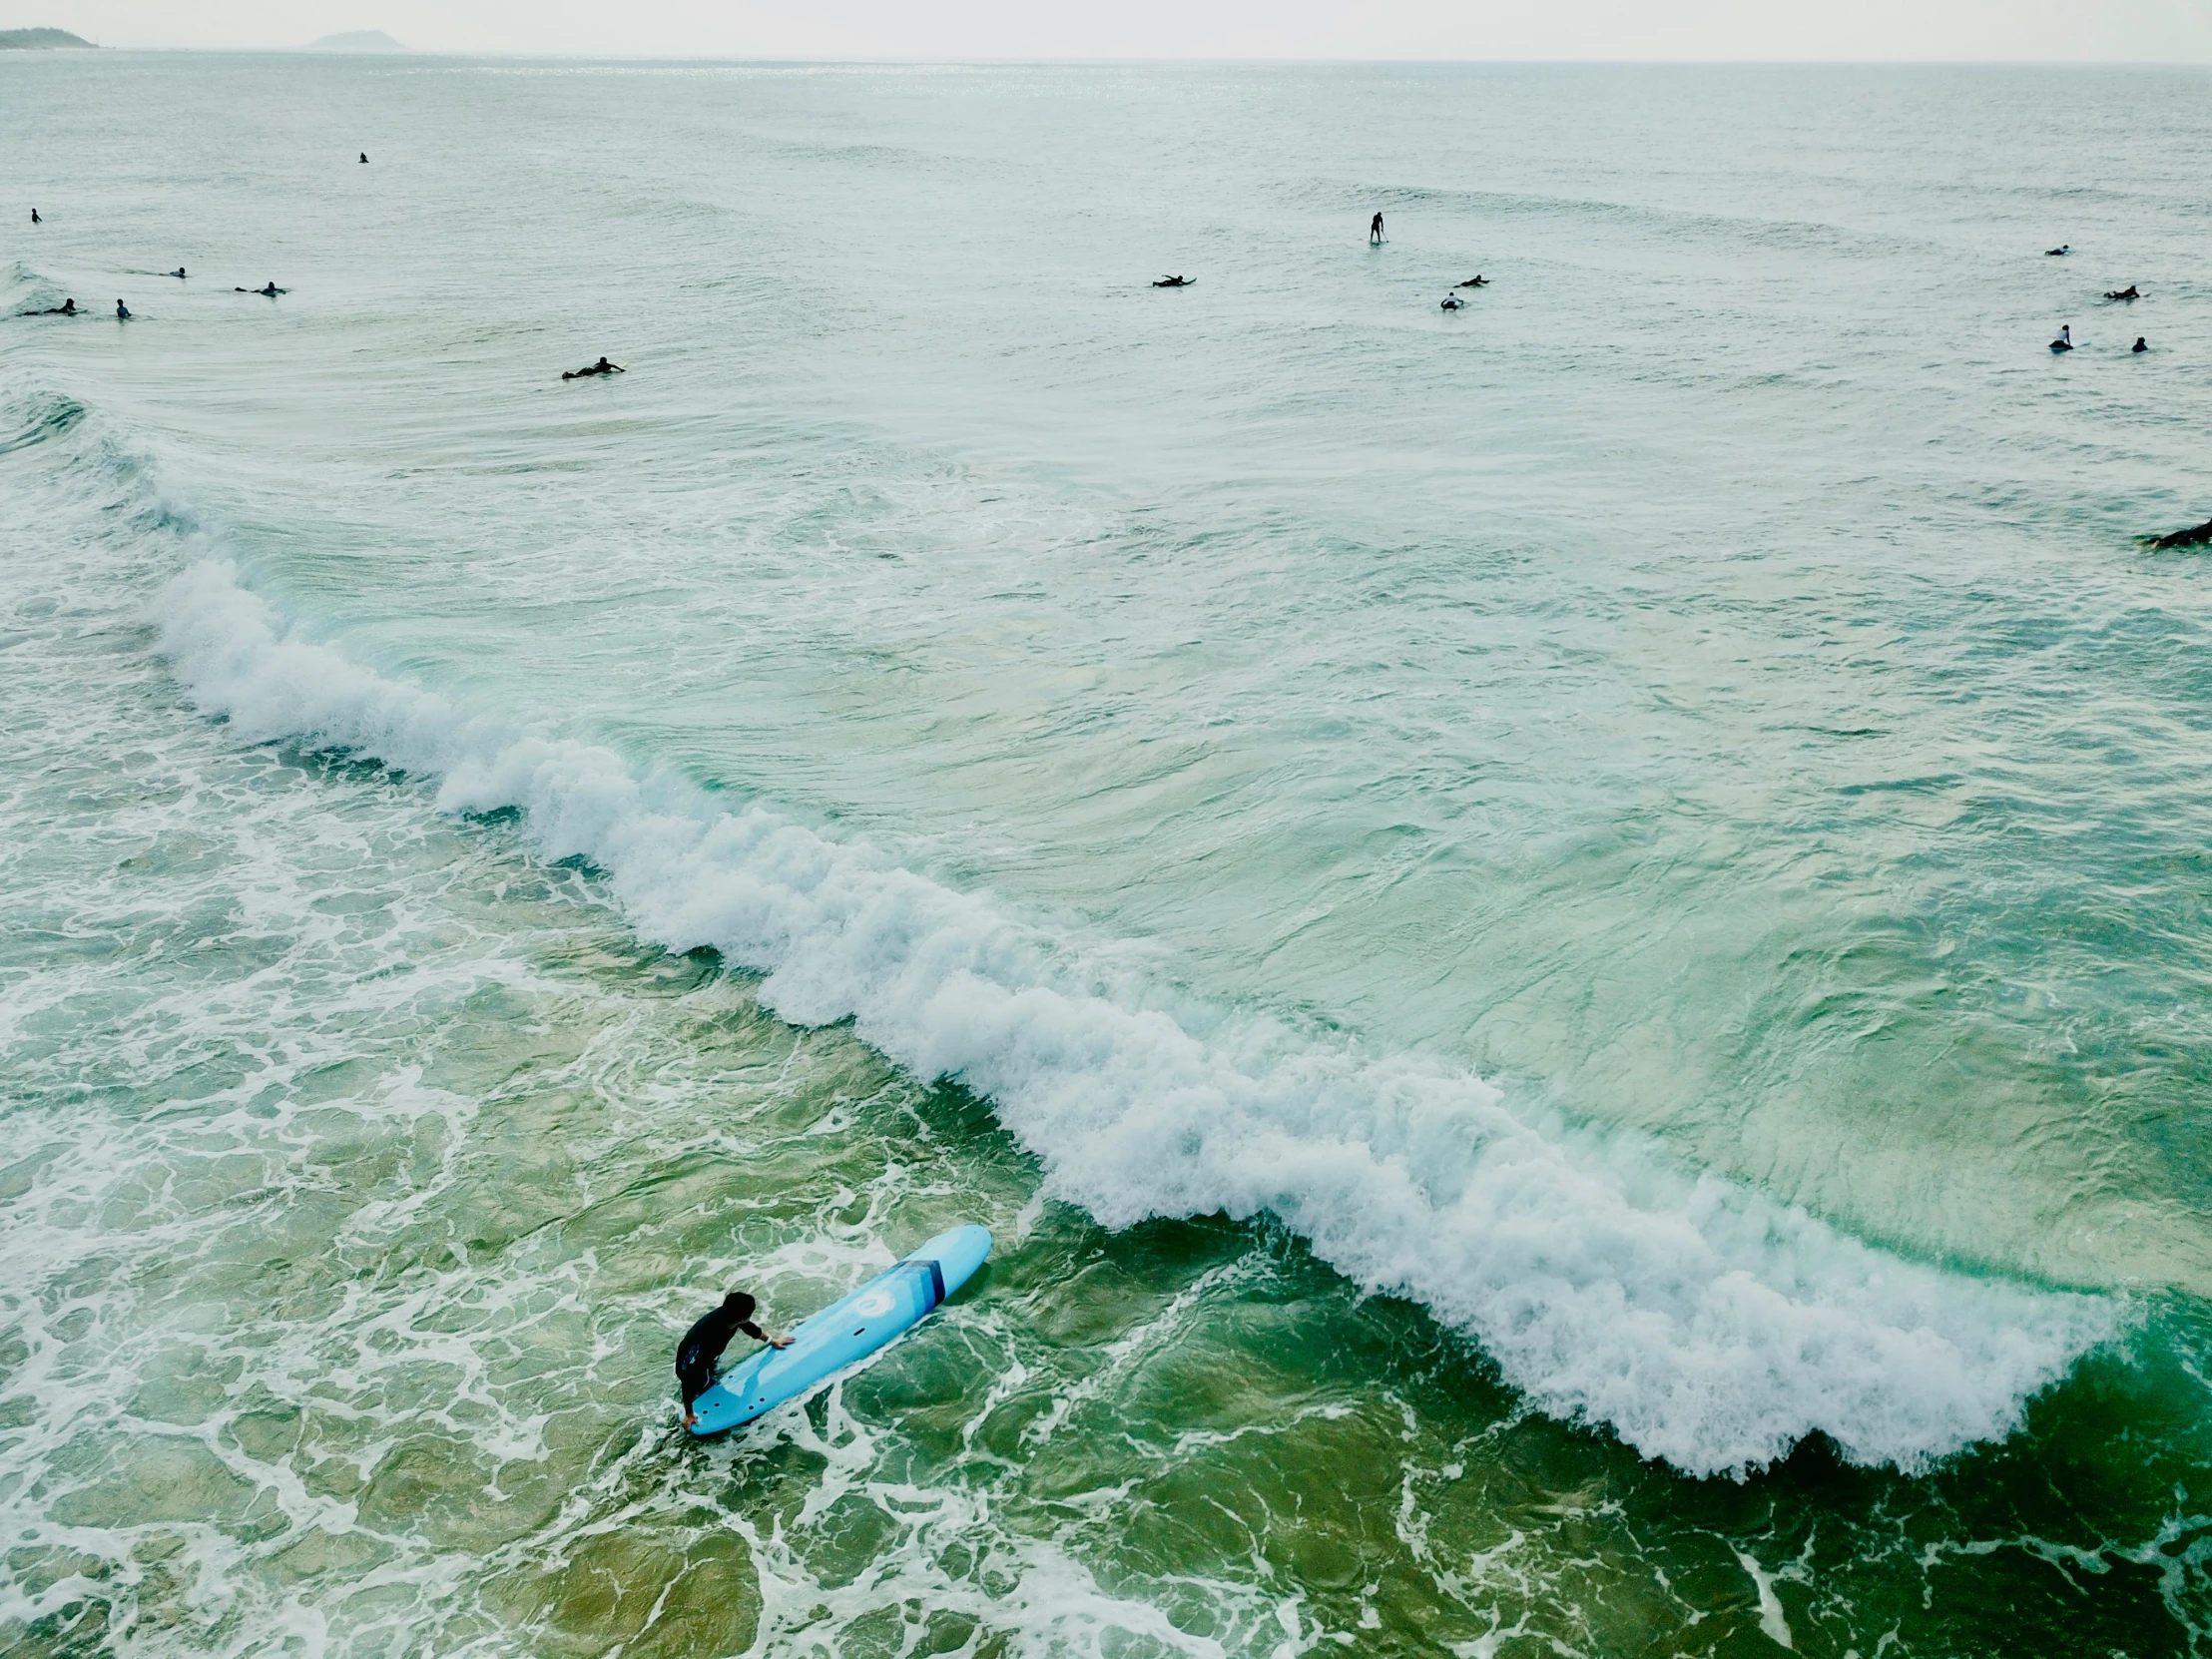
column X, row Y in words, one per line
column 1704, row 1322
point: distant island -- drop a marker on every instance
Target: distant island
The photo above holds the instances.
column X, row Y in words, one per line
column 38, row 40
column 358, row 40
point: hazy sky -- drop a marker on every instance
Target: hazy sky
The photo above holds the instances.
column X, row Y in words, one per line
column 2145, row 31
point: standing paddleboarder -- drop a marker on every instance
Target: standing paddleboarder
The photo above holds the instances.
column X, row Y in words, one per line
column 1374, row 233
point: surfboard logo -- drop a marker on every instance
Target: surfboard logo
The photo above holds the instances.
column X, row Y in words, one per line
column 872, row 1305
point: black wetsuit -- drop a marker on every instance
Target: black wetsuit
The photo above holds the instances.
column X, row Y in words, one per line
column 702, row 1344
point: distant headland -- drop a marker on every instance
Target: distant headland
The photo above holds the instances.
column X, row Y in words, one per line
column 38, row 40
column 358, row 40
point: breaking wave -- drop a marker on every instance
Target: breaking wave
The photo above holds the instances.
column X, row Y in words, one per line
column 1703, row 1323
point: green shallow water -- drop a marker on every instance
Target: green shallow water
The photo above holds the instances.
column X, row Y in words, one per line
column 361, row 1172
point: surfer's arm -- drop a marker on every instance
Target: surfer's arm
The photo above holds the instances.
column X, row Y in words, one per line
column 761, row 1336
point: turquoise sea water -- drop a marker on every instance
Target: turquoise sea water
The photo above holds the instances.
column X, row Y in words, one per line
column 1566, row 944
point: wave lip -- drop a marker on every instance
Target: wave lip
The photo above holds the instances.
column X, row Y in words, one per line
column 1705, row 1324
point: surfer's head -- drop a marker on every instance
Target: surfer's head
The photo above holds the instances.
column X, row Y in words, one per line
column 740, row 1305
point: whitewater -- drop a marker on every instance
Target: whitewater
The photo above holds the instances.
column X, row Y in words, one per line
column 1702, row 1325
column 1562, row 942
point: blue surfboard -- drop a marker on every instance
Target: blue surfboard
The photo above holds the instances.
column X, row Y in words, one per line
column 847, row 1331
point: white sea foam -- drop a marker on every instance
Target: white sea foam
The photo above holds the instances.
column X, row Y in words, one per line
column 1703, row 1323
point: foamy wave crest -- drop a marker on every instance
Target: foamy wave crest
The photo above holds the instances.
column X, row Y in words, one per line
column 1705, row 1324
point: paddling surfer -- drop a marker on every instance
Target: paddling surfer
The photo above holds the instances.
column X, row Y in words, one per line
column 603, row 366
column 702, row 1344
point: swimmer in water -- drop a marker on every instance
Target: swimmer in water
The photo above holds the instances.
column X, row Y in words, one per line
column 1375, row 231
column 2064, row 341
column 122, row 311
column 177, row 272
column 2127, row 292
column 1175, row 282
column 1478, row 280
column 35, row 219
column 603, row 366
column 268, row 293
column 2141, row 345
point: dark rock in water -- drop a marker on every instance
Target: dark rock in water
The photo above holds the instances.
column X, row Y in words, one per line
column 38, row 40
column 2199, row 537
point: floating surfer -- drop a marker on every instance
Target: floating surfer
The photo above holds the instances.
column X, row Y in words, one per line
column 122, row 311
column 2141, row 345
column 603, row 366
column 178, row 273
column 1452, row 302
column 702, row 1344
column 364, row 158
column 2059, row 252
column 1175, row 282
column 2127, row 292
column 2064, row 341
column 268, row 293
column 2200, row 536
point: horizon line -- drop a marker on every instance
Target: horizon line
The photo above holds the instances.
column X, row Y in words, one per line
column 309, row 49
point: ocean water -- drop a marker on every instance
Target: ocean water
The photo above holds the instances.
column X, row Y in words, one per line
column 1569, row 943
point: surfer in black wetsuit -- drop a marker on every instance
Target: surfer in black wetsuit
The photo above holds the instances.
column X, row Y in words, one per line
column 68, row 307
column 364, row 158
column 603, row 366
column 35, row 219
column 2141, row 345
column 268, row 293
column 1175, row 282
column 2129, row 293
column 179, row 272
column 1375, row 231
column 1478, row 280
column 702, row 1344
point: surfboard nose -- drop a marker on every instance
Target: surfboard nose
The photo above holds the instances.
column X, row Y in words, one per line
column 958, row 1254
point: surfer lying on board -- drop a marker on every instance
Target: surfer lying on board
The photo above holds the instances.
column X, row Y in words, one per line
column 68, row 307
column 269, row 292
column 1175, row 282
column 603, row 366
column 703, row 1342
